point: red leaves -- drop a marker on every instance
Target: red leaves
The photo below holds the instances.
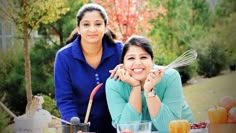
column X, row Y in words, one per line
column 130, row 17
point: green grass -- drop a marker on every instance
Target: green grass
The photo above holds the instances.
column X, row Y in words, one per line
column 207, row 92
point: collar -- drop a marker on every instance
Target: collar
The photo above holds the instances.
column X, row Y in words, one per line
column 78, row 54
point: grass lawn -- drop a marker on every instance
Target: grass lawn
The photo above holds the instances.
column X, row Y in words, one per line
column 205, row 93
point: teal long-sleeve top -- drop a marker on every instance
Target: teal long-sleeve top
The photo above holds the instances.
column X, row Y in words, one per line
column 170, row 92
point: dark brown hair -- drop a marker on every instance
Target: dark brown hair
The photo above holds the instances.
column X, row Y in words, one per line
column 109, row 35
column 138, row 41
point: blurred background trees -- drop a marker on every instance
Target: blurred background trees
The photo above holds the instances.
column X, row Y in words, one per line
column 131, row 16
column 172, row 26
column 27, row 16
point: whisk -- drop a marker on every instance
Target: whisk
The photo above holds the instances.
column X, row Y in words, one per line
column 183, row 60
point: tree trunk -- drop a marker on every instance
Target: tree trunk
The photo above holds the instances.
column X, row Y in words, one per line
column 27, row 58
column 60, row 30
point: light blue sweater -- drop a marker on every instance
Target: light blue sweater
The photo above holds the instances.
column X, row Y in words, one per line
column 170, row 92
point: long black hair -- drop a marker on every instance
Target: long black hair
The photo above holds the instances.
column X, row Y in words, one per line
column 138, row 41
column 109, row 35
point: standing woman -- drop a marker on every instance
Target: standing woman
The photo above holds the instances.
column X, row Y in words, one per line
column 83, row 64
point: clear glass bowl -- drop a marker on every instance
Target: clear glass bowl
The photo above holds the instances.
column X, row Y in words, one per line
column 134, row 127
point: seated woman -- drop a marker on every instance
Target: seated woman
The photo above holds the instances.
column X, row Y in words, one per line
column 146, row 91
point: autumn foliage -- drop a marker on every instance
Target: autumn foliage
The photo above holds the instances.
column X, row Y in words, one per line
column 127, row 17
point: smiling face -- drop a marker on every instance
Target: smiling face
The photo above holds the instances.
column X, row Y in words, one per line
column 92, row 27
column 137, row 62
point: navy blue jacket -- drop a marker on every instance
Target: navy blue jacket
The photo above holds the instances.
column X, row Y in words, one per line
column 75, row 79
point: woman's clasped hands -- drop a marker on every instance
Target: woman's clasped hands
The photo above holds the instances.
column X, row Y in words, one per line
column 154, row 77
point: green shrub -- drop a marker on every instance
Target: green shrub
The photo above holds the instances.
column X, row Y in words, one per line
column 163, row 57
column 50, row 105
column 42, row 56
column 212, row 60
column 187, row 72
column 12, row 77
column 4, row 121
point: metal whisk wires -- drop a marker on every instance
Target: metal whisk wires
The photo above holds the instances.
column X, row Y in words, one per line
column 183, row 60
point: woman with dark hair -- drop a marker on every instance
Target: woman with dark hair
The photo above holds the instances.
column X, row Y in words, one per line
column 146, row 91
column 83, row 64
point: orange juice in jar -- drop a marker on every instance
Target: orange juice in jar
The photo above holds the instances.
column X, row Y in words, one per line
column 179, row 126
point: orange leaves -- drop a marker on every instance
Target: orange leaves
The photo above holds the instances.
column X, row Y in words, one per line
column 130, row 16
column 161, row 10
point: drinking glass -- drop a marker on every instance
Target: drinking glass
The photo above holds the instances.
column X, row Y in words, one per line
column 66, row 128
column 83, row 127
column 134, row 127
